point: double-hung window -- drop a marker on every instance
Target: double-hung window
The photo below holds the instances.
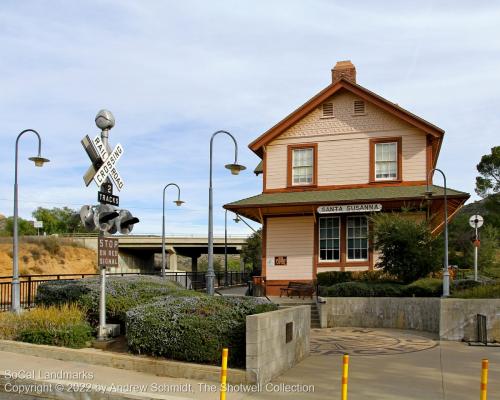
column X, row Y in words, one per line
column 303, row 159
column 329, row 239
column 386, row 163
column 357, row 238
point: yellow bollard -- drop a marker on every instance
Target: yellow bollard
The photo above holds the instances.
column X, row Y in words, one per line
column 223, row 374
column 345, row 373
column 484, row 379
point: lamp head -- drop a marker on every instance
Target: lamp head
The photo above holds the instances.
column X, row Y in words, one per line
column 235, row 168
column 104, row 120
column 39, row 160
column 178, row 203
column 428, row 194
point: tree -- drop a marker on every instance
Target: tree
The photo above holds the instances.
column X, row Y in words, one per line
column 59, row 220
column 489, row 171
column 407, row 248
column 252, row 252
column 25, row 228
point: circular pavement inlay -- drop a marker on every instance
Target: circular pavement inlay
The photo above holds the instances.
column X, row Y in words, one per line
column 366, row 342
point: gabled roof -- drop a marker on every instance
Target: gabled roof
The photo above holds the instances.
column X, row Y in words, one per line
column 345, row 195
column 344, row 84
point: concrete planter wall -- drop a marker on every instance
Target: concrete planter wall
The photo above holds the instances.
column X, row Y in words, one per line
column 452, row 319
column 269, row 354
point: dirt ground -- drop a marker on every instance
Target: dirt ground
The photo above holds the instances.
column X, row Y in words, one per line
column 35, row 258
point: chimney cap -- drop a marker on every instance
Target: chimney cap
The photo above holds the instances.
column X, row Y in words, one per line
column 344, row 69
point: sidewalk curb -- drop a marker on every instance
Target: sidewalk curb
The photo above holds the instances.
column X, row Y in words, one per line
column 144, row 364
column 65, row 390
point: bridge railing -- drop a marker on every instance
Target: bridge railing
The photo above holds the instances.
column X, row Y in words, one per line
column 190, row 280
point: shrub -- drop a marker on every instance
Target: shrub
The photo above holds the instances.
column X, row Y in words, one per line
column 51, row 244
column 479, row 292
column 463, row 284
column 122, row 294
column 364, row 289
column 193, row 328
column 425, row 287
column 407, row 248
column 333, row 277
column 54, row 325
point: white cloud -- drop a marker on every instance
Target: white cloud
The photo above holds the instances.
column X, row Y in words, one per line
column 174, row 72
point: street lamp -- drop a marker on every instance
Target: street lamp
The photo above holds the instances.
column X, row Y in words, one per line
column 238, row 219
column 235, row 169
column 39, row 161
column 428, row 193
column 178, row 203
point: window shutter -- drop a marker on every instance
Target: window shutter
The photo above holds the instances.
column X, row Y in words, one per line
column 327, row 109
column 359, row 107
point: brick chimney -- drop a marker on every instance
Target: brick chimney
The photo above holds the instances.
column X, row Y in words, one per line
column 344, row 69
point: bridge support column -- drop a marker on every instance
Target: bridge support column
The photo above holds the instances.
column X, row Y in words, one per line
column 194, row 263
column 172, row 261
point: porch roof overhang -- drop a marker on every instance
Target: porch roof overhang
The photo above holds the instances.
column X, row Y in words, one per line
column 302, row 203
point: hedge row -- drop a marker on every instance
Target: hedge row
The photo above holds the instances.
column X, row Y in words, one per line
column 333, row 277
column 426, row 287
column 193, row 328
column 122, row 294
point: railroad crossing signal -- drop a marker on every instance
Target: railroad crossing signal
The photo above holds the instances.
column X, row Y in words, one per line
column 103, row 163
column 476, row 221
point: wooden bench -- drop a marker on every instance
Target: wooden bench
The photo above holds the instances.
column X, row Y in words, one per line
column 300, row 288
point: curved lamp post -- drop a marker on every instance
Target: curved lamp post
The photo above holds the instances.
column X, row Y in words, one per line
column 238, row 219
column 178, row 203
column 428, row 193
column 39, row 161
column 235, row 169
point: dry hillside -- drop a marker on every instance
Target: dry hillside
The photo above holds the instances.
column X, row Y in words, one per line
column 47, row 256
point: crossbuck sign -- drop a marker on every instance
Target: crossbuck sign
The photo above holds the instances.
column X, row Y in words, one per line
column 103, row 163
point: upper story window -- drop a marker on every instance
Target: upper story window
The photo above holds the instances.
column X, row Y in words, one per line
column 302, row 168
column 385, row 159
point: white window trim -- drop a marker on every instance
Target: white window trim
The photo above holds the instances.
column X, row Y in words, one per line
column 340, row 242
column 347, row 241
column 375, row 161
column 312, row 167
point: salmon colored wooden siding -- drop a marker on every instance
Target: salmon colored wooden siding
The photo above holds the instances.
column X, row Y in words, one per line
column 344, row 145
column 292, row 237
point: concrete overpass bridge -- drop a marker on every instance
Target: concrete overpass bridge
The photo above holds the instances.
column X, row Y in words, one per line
column 137, row 252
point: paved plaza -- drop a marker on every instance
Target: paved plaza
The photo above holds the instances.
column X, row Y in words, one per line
column 384, row 364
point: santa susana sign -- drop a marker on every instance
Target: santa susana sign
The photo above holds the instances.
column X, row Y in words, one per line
column 348, row 208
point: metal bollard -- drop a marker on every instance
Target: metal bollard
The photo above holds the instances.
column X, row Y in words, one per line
column 345, row 373
column 223, row 374
column 484, row 379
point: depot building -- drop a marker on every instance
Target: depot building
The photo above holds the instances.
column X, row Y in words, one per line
column 342, row 156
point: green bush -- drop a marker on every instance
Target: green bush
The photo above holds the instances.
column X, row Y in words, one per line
column 122, row 294
column 54, row 325
column 463, row 284
column 425, row 287
column 364, row 289
column 407, row 248
column 193, row 328
column 333, row 277
column 479, row 292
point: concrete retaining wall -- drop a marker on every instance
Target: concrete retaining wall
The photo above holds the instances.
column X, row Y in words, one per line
column 452, row 319
column 268, row 353
column 458, row 318
column 381, row 312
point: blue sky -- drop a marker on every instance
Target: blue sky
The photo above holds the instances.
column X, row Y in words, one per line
column 173, row 72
